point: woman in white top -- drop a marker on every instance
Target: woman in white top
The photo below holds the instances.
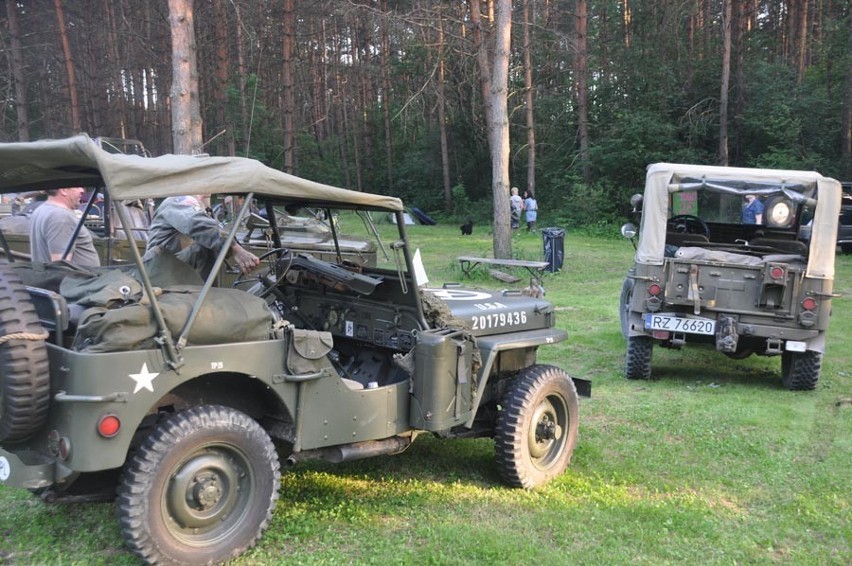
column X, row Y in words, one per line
column 531, row 208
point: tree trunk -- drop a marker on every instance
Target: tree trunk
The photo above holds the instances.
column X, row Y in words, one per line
column 242, row 71
column 341, row 116
column 316, row 68
column 528, row 97
column 117, row 105
column 726, row 79
column 386, row 94
column 22, row 117
column 364, row 141
column 442, row 119
column 222, row 75
column 287, row 80
column 186, row 112
column 582, row 89
column 69, row 65
column 846, row 117
column 802, row 42
column 739, row 26
column 495, row 79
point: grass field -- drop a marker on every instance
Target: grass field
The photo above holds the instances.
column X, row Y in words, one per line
column 711, row 463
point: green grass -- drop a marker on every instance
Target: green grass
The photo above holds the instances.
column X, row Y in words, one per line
column 711, row 463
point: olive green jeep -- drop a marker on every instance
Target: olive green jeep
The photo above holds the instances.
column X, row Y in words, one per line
column 713, row 269
column 183, row 397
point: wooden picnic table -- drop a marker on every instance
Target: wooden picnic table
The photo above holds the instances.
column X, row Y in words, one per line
column 533, row 267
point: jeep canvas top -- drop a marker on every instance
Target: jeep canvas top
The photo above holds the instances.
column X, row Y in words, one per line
column 707, row 272
column 185, row 395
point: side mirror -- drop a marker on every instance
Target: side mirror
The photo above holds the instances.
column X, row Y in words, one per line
column 636, row 202
column 628, row 231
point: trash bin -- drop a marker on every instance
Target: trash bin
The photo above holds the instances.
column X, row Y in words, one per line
column 554, row 248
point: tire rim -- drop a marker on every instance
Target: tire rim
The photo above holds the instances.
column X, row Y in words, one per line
column 546, row 437
column 208, row 494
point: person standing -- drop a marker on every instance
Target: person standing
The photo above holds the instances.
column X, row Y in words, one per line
column 52, row 225
column 753, row 210
column 179, row 217
column 516, row 205
column 531, row 208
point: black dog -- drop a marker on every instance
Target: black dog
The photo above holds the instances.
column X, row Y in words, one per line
column 467, row 228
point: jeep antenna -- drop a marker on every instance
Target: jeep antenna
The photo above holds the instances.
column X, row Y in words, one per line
column 253, row 101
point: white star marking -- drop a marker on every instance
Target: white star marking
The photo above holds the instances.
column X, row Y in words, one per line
column 459, row 294
column 143, row 379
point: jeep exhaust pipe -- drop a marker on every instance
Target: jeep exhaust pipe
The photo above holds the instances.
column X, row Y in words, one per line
column 354, row 451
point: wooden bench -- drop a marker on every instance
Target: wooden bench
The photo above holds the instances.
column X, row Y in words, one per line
column 534, row 268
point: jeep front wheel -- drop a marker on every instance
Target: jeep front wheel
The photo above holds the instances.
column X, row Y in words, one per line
column 24, row 373
column 201, row 489
column 639, row 353
column 537, row 427
column 800, row 370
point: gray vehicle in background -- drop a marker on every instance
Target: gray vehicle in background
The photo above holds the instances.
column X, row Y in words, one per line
column 186, row 397
column 844, row 228
column 702, row 276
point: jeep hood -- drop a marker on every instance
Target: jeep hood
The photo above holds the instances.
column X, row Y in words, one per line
column 493, row 312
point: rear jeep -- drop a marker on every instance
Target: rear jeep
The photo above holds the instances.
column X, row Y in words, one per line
column 702, row 276
column 184, row 396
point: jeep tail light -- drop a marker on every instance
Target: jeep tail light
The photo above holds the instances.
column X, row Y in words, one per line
column 64, row 448
column 108, row 426
column 654, row 289
column 809, row 304
column 776, row 272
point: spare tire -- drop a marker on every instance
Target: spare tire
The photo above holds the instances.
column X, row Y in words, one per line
column 24, row 371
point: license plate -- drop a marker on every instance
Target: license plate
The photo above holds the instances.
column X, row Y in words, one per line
column 673, row 323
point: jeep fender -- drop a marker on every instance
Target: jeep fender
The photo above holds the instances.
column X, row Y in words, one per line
column 491, row 346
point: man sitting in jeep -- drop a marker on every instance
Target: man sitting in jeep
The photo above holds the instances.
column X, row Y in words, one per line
column 52, row 225
column 186, row 216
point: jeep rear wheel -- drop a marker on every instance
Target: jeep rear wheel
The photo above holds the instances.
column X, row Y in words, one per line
column 640, row 350
column 200, row 489
column 537, row 427
column 800, row 370
column 24, row 373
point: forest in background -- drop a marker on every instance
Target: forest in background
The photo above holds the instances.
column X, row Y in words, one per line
column 385, row 96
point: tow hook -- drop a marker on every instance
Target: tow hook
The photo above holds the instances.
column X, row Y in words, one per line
column 726, row 334
column 773, row 346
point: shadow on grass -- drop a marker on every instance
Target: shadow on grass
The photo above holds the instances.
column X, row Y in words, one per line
column 470, row 461
column 703, row 364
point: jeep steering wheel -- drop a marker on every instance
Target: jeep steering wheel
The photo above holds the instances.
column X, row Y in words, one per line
column 687, row 224
column 270, row 279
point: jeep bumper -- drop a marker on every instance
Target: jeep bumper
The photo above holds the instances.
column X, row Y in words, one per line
column 27, row 469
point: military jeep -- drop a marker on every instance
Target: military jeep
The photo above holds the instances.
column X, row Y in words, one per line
column 703, row 276
column 184, row 398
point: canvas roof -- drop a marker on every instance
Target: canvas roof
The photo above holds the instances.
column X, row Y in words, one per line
column 665, row 178
column 78, row 161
